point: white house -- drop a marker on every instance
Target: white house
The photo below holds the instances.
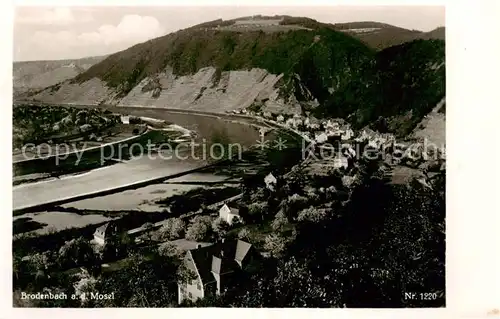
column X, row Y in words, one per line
column 313, row 126
column 331, row 125
column 125, row 119
column 229, row 214
column 280, row 118
column 348, row 151
column 340, row 162
column 105, row 232
column 347, row 135
column 321, row 138
column 85, row 127
column 270, row 181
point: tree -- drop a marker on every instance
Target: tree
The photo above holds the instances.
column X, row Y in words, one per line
column 116, row 246
column 280, row 221
column 77, row 252
column 275, row 244
column 244, row 234
column 150, row 282
column 256, row 212
column 291, row 205
column 284, row 283
column 148, row 227
column 173, row 228
column 168, row 249
column 200, row 229
column 220, row 227
column 312, row 214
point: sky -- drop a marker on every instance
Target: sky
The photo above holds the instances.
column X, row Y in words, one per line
column 52, row 33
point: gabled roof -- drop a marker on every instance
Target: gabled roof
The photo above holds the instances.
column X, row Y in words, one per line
column 219, row 258
column 242, row 249
column 101, row 230
column 108, row 228
column 232, row 210
column 270, row 176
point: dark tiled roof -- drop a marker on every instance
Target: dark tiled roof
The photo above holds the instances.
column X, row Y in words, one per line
column 220, row 258
column 242, row 249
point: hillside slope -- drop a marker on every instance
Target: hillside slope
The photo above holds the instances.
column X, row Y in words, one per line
column 281, row 64
column 381, row 35
column 395, row 90
column 220, row 69
column 36, row 75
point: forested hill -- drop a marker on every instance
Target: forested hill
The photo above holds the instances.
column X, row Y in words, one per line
column 395, row 89
column 333, row 65
column 272, row 49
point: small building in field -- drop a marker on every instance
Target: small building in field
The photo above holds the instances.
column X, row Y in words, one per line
column 229, row 214
column 270, row 181
column 280, row 118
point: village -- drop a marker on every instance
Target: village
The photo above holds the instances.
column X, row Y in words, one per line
column 216, row 243
column 219, row 240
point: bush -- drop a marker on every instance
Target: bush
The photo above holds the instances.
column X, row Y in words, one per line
column 135, row 120
column 244, row 234
column 173, row 228
column 220, row 227
column 169, row 250
column 280, row 221
column 312, row 214
column 200, row 229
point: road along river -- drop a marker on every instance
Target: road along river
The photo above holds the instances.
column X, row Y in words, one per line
column 140, row 171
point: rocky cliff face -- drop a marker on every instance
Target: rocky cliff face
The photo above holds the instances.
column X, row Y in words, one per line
column 91, row 92
column 206, row 90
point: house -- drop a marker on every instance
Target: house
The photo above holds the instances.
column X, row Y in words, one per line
column 106, row 232
column 270, row 181
column 321, row 138
column 229, row 214
column 340, row 162
column 215, row 268
column 294, row 122
column 347, row 135
column 331, row 125
column 85, row 127
column 125, row 119
column 313, row 126
column 67, row 120
column 280, row 118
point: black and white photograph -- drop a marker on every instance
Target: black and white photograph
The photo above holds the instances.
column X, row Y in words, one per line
column 229, row 156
